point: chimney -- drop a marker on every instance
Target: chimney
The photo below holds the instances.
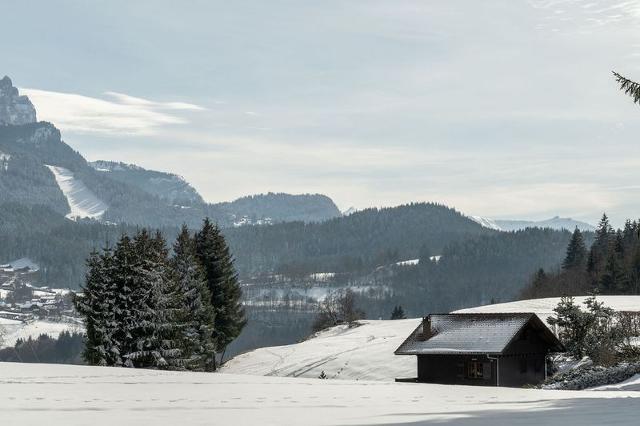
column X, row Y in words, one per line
column 427, row 332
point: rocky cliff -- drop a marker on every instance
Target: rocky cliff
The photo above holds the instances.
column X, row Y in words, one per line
column 14, row 109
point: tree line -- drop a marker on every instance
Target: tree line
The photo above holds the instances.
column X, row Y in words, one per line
column 145, row 307
column 611, row 265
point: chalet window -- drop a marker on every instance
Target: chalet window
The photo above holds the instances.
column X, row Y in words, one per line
column 475, row 370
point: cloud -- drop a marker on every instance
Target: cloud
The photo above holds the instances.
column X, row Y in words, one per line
column 116, row 114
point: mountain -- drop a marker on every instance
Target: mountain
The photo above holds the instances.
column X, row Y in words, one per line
column 272, row 208
column 557, row 223
column 14, row 109
column 38, row 168
column 166, row 186
column 359, row 242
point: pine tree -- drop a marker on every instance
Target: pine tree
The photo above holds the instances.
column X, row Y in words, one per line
column 94, row 306
column 194, row 317
column 398, row 313
column 576, row 252
column 222, row 280
column 629, row 87
column 601, row 246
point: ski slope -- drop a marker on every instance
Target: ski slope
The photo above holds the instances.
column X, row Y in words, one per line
column 82, row 201
column 366, row 352
column 65, row 395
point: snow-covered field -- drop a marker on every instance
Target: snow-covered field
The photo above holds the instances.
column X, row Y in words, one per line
column 366, row 352
column 14, row 330
column 544, row 307
column 360, row 353
column 82, row 201
column 35, row 394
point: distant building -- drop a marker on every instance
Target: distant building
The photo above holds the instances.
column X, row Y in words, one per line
column 499, row 349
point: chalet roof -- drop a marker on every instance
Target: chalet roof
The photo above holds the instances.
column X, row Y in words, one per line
column 489, row 333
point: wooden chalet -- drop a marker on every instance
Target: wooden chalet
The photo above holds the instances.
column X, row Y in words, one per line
column 493, row 349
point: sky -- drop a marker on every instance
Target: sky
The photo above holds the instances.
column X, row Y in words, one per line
column 500, row 108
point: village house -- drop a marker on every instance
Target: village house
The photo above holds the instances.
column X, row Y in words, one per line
column 493, row 349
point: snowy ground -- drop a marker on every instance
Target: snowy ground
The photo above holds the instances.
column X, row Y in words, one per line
column 544, row 307
column 366, row 352
column 14, row 330
column 23, row 262
column 36, row 394
column 361, row 353
column 83, row 202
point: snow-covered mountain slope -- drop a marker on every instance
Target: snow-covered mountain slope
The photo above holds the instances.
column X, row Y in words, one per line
column 82, row 201
column 556, row 222
column 65, row 395
column 486, row 222
column 14, row 330
column 172, row 188
column 366, row 352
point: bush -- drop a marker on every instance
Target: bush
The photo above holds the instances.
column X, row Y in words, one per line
column 597, row 332
column 591, row 376
column 338, row 308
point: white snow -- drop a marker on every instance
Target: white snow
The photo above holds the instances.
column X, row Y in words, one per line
column 360, row 353
column 4, row 160
column 410, row 262
column 544, row 307
column 486, row 222
column 65, row 395
column 82, row 201
column 23, row 262
column 323, row 276
column 366, row 352
column 14, row 330
column 632, row 384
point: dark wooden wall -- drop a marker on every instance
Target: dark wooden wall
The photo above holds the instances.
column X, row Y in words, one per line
column 452, row 369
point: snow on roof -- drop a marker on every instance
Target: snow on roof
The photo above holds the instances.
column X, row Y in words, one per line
column 465, row 333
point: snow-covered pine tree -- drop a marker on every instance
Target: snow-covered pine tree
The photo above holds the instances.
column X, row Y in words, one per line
column 147, row 264
column 222, row 280
column 89, row 305
column 195, row 317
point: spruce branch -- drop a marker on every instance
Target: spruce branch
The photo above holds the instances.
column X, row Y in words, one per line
column 629, row 87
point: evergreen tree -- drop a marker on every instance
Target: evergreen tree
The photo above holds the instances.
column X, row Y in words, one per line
column 150, row 275
column 629, row 87
column 222, row 280
column 600, row 248
column 398, row 313
column 194, row 316
column 576, row 252
column 95, row 306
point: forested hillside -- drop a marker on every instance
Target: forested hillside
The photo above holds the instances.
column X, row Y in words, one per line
column 358, row 242
column 611, row 265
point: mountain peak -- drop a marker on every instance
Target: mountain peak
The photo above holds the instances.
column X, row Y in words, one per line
column 14, row 109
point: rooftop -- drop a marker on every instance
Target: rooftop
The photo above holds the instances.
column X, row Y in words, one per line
column 486, row 333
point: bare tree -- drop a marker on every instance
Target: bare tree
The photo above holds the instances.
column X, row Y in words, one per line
column 338, row 308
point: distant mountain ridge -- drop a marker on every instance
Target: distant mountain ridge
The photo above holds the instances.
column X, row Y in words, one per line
column 167, row 186
column 556, row 222
column 38, row 168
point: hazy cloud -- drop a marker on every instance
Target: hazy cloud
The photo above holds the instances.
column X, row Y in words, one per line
column 116, row 114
